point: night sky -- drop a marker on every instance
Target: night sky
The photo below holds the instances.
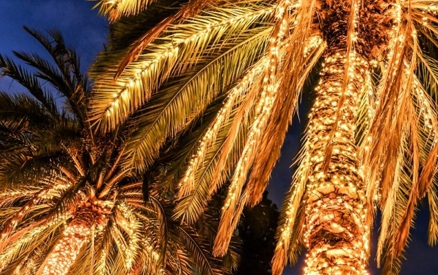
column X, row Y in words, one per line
column 86, row 32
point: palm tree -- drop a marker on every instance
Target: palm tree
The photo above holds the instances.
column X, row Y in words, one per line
column 225, row 77
column 67, row 206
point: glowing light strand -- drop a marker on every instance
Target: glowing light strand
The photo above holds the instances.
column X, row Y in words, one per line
column 263, row 110
column 187, row 183
column 66, row 250
column 169, row 52
column 233, row 204
column 91, row 212
column 8, row 253
column 335, row 200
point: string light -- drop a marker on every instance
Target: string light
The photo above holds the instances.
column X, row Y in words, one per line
column 77, row 233
column 169, row 51
column 187, row 183
column 12, row 245
column 263, row 110
column 66, row 250
column 335, row 203
column 335, row 231
column 233, row 204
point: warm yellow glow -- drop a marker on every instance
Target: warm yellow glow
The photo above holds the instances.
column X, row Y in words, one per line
column 168, row 52
column 263, row 110
column 50, row 192
column 66, row 250
column 89, row 215
column 11, row 246
column 188, row 182
column 233, row 204
column 336, row 197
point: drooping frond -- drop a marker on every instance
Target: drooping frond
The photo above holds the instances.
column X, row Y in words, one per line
column 271, row 98
column 412, row 123
column 290, row 223
column 182, row 45
column 30, row 82
column 212, row 158
column 213, row 171
column 388, row 117
column 280, row 118
column 187, row 97
column 205, row 263
column 432, row 200
column 392, row 215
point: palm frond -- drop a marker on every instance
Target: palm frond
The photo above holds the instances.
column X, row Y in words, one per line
column 401, row 197
column 235, row 107
column 176, row 103
column 118, row 98
column 288, row 239
column 204, row 262
column 432, row 199
column 26, row 247
column 30, row 82
column 280, row 119
column 218, row 163
column 115, row 9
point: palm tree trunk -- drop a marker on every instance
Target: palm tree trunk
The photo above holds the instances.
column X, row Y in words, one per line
column 67, row 249
column 336, row 231
column 336, row 234
column 75, row 236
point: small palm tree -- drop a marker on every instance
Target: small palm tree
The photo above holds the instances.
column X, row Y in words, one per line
column 224, row 78
column 67, row 206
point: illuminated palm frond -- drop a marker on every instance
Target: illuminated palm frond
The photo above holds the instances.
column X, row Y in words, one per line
column 115, row 9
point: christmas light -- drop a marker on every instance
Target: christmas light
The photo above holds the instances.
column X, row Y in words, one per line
column 336, row 198
column 188, row 182
column 66, row 250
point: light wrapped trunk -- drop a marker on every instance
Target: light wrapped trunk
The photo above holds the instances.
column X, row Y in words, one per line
column 75, row 236
column 336, row 234
column 67, row 249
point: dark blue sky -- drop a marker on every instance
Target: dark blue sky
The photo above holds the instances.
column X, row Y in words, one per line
column 86, row 31
column 82, row 28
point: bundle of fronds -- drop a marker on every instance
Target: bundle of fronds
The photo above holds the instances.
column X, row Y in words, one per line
column 68, row 202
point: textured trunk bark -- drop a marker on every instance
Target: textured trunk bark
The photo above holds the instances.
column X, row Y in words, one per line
column 336, row 235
